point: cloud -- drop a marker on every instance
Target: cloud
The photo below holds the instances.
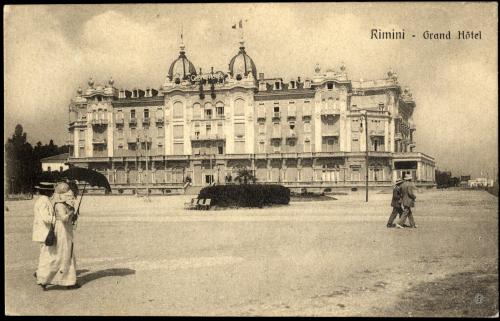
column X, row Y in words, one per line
column 52, row 50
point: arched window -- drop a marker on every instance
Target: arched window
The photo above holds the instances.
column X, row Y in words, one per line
column 196, row 111
column 178, row 110
column 239, row 107
column 208, row 111
column 219, row 109
column 330, row 103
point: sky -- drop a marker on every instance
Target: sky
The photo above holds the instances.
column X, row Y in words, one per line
column 51, row 50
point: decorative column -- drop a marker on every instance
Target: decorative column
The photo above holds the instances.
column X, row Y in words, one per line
column 299, row 169
column 269, row 170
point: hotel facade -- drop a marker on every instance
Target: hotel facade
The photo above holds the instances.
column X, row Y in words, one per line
column 204, row 128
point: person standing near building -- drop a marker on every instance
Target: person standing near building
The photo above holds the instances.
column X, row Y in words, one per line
column 397, row 208
column 408, row 194
column 43, row 215
column 57, row 262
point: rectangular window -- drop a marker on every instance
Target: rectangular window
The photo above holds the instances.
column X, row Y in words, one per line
column 208, row 113
column 262, row 128
column 209, row 129
column 132, row 113
column 276, row 109
column 220, row 150
column 276, row 146
column 355, row 145
column 220, row 129
column 146, row 113
column 178, row 148
column 262, row 147
column 239, row 130
column 220, row 111
column 178, row 131
column 307, row 127
column 160, row 131
column 307, row 146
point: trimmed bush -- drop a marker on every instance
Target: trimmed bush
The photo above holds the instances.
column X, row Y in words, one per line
column 246, row 195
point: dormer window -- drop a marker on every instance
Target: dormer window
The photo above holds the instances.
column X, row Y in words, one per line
column 277, row 85
column 329, row 86
column 293, row 84
column 381, row 106
column 307, row 84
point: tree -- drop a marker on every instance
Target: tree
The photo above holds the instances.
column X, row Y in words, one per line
column 22, row 161
column 19, row 162
column 244, row 176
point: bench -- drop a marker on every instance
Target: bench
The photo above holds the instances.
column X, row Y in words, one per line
column 191, row 205
column 205, row 205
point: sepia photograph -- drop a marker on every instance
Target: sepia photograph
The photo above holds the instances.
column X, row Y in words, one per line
column 251, row 159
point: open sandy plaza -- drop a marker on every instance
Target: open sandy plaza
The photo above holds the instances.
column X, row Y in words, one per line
column 320, row 258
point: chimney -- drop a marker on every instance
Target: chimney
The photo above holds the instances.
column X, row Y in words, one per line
column 261, row 76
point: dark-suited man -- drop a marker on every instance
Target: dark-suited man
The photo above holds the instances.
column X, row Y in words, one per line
column 408, row 195
column 396, row 203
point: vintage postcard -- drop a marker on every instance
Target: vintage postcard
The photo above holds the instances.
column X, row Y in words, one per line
column 251, row 159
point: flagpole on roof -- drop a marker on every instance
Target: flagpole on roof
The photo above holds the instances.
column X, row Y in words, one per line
column 242, row 40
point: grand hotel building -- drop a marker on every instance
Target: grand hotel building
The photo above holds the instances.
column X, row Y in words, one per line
column 203, row 128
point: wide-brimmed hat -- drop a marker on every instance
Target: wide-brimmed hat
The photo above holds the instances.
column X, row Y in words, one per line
column 45, row 186
column 407, row 177
column 63, row 194
column 399, row 181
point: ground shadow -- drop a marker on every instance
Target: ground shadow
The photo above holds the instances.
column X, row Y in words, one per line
column 78, row 272
column 465, row 294
column 96, row 275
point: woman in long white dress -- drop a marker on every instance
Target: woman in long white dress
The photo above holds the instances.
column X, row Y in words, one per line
column 57, row 263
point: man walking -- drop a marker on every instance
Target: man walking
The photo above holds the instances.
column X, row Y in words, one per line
column 396, row 203
column 408, row 195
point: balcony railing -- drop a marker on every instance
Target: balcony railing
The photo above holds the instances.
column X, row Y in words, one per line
column 291, row 114
column 276, row 114
column 159, row 121
column 398, row 136
column 119, row 121
column 261, row 114
column 78, row 123
column 99, row 122
column 276, row 135
column 376, row 132
column 329, row 112
column 132, row 121
column 329, row 134
column 145, row 120
column 201, row 137
column 99, row 141
column 291, row 135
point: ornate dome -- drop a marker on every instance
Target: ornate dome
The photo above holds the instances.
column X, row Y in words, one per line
column 181, row 67
column 242, row 65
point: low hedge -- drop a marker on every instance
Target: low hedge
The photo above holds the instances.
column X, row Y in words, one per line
column 246, row 195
